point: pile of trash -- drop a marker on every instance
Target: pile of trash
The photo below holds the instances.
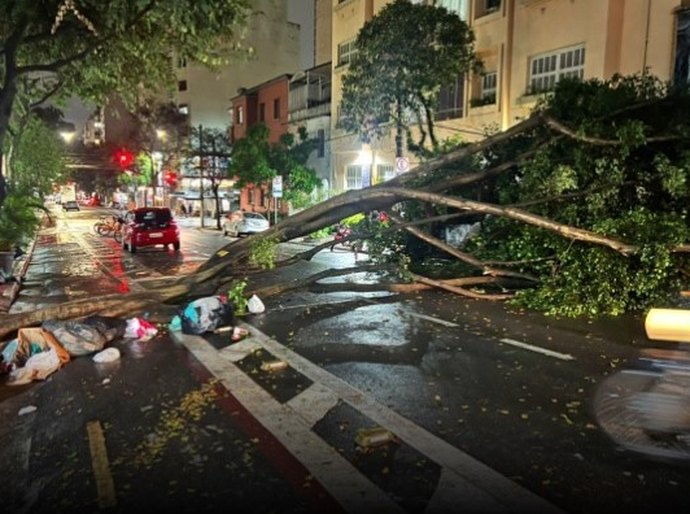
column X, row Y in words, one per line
column 37, row 352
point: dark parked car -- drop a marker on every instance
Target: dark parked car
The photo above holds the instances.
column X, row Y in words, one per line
column 150, row 226
column 70, row 205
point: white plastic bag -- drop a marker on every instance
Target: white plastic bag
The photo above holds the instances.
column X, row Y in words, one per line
column 255, row 305
column 139, row 328
column 108, row 355
column 43, row 364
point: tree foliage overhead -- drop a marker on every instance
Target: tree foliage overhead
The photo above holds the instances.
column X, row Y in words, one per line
column 583, row 209
column 404, row 56
column 94, row 48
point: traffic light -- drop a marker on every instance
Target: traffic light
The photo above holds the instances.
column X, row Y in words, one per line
column 124, row 158
column 170, row 178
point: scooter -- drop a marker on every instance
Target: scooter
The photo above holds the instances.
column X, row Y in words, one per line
column 646, row 408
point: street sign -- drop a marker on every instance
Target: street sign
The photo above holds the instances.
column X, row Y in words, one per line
column 402, row 164
column 277, row 186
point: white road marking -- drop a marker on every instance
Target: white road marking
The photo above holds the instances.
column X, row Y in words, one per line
column 491, row 491
column 538, row 349
column 433, row 319
column 341, row 479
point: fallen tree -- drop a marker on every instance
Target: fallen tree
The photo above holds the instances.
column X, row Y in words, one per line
column 581, row 209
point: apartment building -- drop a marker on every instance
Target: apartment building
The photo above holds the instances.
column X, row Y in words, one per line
column 272, row 46
column 264, row 103
column 526, row 47
column 310, row 108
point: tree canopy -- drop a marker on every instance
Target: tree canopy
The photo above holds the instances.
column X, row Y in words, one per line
column 255, row 160
column 92, row 49
column 403, row 57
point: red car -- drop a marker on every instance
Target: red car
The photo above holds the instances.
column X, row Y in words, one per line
column 150, row 226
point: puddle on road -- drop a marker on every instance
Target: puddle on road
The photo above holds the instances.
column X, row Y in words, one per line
column 372, row 325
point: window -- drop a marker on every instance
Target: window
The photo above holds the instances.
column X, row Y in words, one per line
column 321, row 148
column 183, row 109
column 353, row 178
column 262, row 111
column 385, row 172
column 181, row 62
column 239, row 115
column 547, row 69
column 450, row 100
column 182, row 85
column 345, row 52
column 486, row 7
column 489, row 81
column 492, row 5
column 276, row 108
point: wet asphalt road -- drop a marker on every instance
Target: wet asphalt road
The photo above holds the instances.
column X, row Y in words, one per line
column 445, row 364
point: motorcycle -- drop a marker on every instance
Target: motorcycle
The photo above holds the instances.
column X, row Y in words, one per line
column 646, row 408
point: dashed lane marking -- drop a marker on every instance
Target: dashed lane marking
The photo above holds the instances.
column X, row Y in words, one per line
column 105, row 485
column 538, row 349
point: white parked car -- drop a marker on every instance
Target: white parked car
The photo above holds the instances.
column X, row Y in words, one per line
column 238, row 223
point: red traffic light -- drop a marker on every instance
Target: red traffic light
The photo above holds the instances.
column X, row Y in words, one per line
column 170, row 178
column 124, row 158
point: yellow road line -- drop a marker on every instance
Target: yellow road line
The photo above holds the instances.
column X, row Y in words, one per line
column 101, row 468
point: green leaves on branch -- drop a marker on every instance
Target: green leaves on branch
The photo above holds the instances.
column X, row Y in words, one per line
column 404, row 56
column 263, row 251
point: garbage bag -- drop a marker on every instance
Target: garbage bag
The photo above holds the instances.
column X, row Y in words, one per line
column 86, row 335
column 108, row 355
column 110, row 328
column 255, row 305
column 207, row 314
column 38, row 340
column 9, row 355
column 37, row 367
column 77, row 338
column 139, row 328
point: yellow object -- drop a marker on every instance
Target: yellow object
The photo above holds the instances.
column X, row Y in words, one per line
column 274, row 365
column 668, row 325
column 372, row 437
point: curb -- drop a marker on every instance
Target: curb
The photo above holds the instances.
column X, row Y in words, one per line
column 9, row 293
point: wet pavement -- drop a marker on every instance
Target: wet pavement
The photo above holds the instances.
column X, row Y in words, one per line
column 479, row 424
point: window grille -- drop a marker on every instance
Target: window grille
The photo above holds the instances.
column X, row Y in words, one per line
column 345, row 52
column 354, row 177
column 385, row 171
column 489, row 82
column 547, row 69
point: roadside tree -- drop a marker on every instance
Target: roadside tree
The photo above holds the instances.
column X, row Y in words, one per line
column 585, row 212
column 256, row 161
column 402, row 58
column 94, row 49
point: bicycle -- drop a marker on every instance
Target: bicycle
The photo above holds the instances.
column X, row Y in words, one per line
column 110, row 226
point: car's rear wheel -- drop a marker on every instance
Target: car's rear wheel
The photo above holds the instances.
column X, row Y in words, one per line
column 176, row 245
column 132, row 248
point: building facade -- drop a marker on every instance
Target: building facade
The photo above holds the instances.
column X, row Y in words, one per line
column 526, row 47
column 310, row 108
column 265, row 103
column 271, row 44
